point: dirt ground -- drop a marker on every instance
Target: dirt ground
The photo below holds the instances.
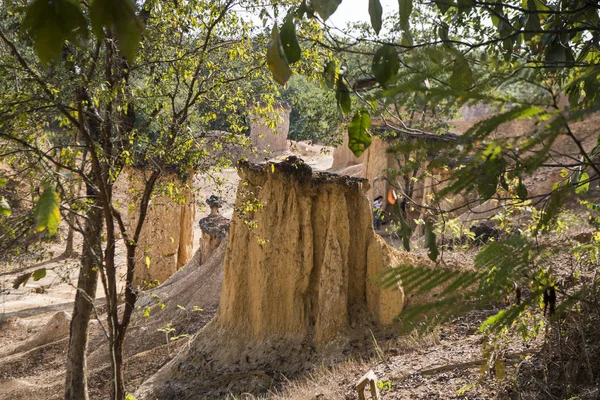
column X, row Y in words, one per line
column 445, row 363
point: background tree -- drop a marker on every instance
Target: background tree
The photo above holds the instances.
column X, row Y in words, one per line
column 314, row 115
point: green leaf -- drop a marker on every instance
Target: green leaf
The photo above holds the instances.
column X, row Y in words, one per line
column 329, row 74
column 583, row 185
column 51, row 22
column 342, row 95
column 461, row 391
column 435, row 55
column 405, row 9
column 385, row 64
column 47, row 39
column 492, row 321
column 407, row 39
column 497, row 10
column 3, row 182
column 47, row 211
column 325, row 8
column 591, row 14
column 443, row 32
column 289, row 41
column 303, row 10
column 430, row 242
column 552, row 208
column 405, row 229
column 533, row 20
column 504, row 27
column 556, row 53
column 503, row 319
column 508, row 45
column 489, row 177
column 276, row 59
column 375, row 12
column 444, row 5
column 359, row 137
column 462, row 76
column 5, row 207
column 120, row 17
column 38, row 274
column 500, row 368
column 538, row 6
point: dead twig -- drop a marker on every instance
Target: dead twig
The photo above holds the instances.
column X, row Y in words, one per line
column 513, row 357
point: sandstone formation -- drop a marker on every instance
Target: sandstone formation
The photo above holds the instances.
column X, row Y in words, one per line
column 269, row 140
column 299, row 275
column 214, row 229
column 376, row 159
column 186, row 301
column 306, row 149
column 343, row 157
column 378, row 166
column 306, row 245
column 541, row 182
column 196, row 284
column 55, row 329
column 167, row 237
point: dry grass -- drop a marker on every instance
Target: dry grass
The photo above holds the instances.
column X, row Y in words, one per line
column 417, row 340
column 333, row 383
column 322, row 384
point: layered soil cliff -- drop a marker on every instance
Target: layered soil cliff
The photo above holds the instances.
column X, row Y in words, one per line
column 167, row 239
column 299, row 282
column 343, row 157
column 378, row 168
column 268, row 139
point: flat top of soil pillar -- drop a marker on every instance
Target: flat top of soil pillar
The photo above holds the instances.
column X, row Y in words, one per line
column 296, row 167
column 214, row 225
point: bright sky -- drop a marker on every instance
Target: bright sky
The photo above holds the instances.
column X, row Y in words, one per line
column 349, row 11
column 358, row 11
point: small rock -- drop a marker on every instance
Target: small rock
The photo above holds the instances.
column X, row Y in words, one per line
column 583, row 237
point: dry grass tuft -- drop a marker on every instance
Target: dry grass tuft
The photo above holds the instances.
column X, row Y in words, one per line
column 334, row 383
column 417, row 340
column 337, row 383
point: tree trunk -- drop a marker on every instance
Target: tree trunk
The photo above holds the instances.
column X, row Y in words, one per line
column 118, row 330
column 69, row 247
column 118, row 388
column 76, row 382
column 72, row 219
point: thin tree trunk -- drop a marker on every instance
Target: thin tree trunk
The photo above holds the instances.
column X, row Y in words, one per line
column 76, row 382
column 117, row 359
column 70, row 236
column 72, row 219
column 119, row 329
